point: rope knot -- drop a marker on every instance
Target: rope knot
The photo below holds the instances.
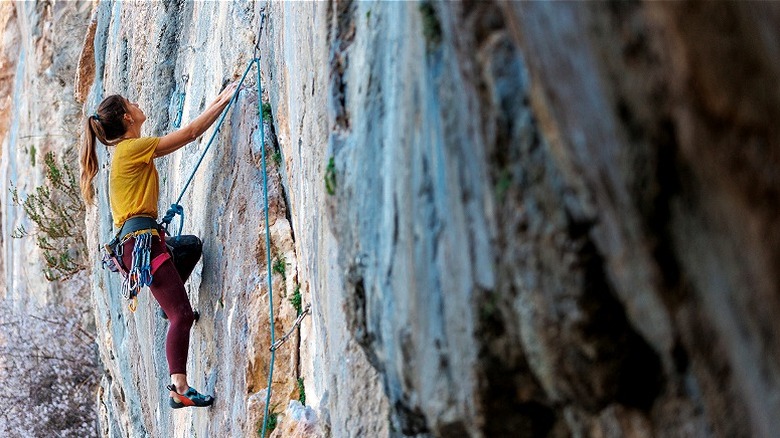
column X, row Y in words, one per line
column 170, row 214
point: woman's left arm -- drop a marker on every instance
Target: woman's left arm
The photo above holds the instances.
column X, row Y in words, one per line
column 177, row 139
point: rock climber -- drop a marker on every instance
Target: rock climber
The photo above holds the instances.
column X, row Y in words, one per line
column 133, row 193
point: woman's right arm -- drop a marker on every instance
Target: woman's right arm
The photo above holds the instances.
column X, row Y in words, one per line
column 177, row 139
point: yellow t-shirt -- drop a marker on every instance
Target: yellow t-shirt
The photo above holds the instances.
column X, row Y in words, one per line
column 133, row 183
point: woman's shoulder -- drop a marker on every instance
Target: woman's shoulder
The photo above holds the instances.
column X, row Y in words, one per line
column 134, row 143
column 137, row 140
column 140, row 147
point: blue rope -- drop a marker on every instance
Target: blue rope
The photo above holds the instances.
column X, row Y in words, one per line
column 175, row 207
column 173, row 211
column 267, row 246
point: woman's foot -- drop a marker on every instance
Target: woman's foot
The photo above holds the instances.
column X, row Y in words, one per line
column 191, row 397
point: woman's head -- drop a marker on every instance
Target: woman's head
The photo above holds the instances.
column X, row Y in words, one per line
column 114, row 117
column 107, row 123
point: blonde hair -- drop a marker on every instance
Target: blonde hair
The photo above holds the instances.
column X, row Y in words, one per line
column 108, row 125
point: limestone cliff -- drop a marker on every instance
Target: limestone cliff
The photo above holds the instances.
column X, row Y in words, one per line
column 48, row 363
column 508, row 218
column 38, row 114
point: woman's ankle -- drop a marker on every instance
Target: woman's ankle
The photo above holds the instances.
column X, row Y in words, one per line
column 180, row 382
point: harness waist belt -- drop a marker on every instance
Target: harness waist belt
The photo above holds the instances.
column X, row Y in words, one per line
column 137, row 223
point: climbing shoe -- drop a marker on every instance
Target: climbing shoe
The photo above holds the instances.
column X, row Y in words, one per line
column 189, row 398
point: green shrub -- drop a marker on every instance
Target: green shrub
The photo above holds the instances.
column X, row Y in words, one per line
column 58, row 213
column 273, row 420
column 330, row 177
column 431, row 25
column 280, row 266
column 267, row 116
column 295, row 299
column 301, row 391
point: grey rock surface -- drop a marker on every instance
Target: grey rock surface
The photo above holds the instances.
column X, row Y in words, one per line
column 508, row 218
column 38, row 114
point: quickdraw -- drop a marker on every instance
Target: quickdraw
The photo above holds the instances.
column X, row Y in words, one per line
column 289, row 333
column 140, row 273
column 142, row 267
column 112, row 257
column 180, row 99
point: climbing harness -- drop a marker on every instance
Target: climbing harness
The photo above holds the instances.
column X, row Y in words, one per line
column 140, row 273
column 112, row 258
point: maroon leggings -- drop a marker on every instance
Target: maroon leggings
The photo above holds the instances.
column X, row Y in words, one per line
column 168, row 290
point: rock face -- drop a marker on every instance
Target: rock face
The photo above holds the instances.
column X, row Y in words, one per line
column 46, row 329
column 542, row 212
column 508, row 218
column 141, row 53
column 37, row 115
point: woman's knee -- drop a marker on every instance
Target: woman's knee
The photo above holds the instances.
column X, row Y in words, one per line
column 183, row 316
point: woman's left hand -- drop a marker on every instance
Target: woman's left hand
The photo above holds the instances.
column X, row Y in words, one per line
column 226, row 94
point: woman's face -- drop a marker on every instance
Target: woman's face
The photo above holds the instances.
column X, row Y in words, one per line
column 135, row 112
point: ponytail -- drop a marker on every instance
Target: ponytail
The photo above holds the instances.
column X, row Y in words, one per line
column 88, row 160
column 108, row 126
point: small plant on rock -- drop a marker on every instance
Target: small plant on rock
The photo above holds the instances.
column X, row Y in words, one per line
column 295, row 299
column 273, row 421
column 503, row 184
column 280, row 266
column 301, row 391
column 32, row 155
column 58, row 214
column 267, row 116
column 431, row 25
column 330, row 177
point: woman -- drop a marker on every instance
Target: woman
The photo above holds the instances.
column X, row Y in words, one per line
column 133, row 191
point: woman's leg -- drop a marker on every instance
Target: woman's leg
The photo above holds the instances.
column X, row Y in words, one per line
column 185, row 251
column 169, row 291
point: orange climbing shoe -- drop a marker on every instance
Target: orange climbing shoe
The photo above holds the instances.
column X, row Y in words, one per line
column 190, row 398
